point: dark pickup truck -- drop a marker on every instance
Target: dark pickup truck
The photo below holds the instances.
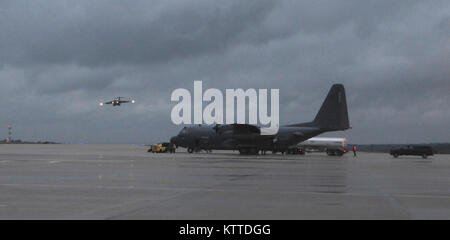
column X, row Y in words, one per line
column 423, row 151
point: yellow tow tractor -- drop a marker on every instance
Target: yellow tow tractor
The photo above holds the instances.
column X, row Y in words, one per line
column 162, row 148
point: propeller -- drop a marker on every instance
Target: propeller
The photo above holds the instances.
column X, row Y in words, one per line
column 216, row 128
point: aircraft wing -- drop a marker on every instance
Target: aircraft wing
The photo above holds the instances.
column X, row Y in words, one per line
column 110, row 102
column 127, row 101
column 237, row 129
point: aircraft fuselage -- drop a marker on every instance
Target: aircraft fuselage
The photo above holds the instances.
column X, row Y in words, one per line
column 206, row 137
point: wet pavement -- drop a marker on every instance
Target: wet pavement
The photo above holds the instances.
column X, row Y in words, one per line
column 126, row 182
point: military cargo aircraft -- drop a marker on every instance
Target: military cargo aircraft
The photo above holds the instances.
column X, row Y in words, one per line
column 117, row 101
column 247, row 139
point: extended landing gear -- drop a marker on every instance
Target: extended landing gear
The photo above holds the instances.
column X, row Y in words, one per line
column 295, row 151
column 191, row 150
column 335, row 153
column 249, row 151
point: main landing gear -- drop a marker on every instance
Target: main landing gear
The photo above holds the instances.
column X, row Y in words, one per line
column 249, row 151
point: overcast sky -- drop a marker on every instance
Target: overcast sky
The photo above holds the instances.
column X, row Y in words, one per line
column 58, row 59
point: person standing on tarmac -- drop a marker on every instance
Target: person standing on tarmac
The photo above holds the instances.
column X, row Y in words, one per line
column 354, row 150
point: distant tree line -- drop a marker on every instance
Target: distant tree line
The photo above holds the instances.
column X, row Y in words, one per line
column 438, row 148
column 20, row 142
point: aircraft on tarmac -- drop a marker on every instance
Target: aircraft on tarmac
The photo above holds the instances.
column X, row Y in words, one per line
column 117, row 101
column 247, row 139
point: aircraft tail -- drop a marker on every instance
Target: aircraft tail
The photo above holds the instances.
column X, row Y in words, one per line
column 333, row 115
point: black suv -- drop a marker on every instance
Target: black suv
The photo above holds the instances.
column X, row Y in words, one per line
column 423, row 151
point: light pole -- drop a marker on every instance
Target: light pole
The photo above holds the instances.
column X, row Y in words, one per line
column 9, row 134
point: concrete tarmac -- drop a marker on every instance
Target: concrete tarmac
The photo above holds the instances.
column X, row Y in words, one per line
column 126, row 182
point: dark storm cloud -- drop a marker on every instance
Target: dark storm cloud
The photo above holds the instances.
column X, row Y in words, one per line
column 108, row 32
column 58, row 59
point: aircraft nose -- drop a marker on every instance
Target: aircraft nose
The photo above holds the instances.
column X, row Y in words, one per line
column 173, row 140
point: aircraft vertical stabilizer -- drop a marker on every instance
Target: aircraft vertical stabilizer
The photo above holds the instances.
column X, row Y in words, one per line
column 333, row 115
